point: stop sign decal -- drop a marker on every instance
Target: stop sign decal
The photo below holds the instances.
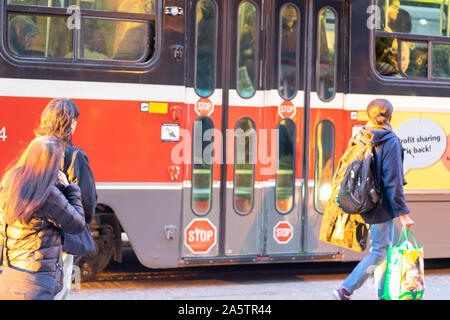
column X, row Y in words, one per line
column 200, row 236
column 283, row 232
column 287, row 109
column 204, row 107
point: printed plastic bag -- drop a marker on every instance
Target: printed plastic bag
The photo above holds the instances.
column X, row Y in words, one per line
column 338, row 227
column 404, row 279
column 342, row 229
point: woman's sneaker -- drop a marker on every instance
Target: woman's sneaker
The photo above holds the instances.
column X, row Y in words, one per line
column 341, row 294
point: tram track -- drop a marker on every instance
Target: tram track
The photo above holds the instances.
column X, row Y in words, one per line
column 164, row 275
column 221, row 272
column 132, row 270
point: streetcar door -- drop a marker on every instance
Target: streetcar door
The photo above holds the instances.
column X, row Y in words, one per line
column 284, row 113
column 250, row 88
column 222, row 205
column 304, row 104
column 243, row 212
column 326, row 114
column 263, row 202
column 202, row 131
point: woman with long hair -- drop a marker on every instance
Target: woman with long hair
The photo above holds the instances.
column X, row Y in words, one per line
column 59, row 119
column 37, row 204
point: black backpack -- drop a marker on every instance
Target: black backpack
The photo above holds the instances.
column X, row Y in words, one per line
column 359, row 190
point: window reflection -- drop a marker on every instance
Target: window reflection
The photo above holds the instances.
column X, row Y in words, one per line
column 326, row 56
column 324, row 163
column 441, row 61
column 201, row 167
column 415, row 62
column 206, row 47
column 247, row 49
column 134, row 6
column 288, row 52
column 284, row 189
column 116, row 40
column 396, row 58
column 110, row 38
column 421, row 17
column 39, row 36
column 244, row 168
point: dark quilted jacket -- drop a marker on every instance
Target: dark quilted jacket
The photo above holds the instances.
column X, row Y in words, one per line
column 36, row 245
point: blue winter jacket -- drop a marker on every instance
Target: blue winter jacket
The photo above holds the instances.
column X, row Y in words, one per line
column 388, row 158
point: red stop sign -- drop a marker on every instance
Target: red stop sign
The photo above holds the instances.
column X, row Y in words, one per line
column 287, row 109
column 204, row 107
column 283, row 232
column 200, row 236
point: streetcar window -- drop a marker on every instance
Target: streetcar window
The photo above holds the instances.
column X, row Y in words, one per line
column 386, row 54
column 206, row 44
column 285, row 183
column 326, row 59
column 420, row 17
column 441, row 61
column 114, row 40
column 397, row 58
column 289, row 31
column 244, row 165
column 133, row 6
column 106, row 36
column 202, row 166
column 39, row 36
column 416, row 65
column 248, row 31
column 324, row 163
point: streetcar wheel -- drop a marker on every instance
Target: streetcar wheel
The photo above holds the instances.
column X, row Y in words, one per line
column 91, row 265
column 94, row 263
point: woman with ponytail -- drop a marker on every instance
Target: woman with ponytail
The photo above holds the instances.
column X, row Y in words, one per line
column 388, row 159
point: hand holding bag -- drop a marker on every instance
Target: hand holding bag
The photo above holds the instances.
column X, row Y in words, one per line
column 404, row 279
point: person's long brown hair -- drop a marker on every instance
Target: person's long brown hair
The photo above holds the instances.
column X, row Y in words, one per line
column 56, row 119
column 29, row 181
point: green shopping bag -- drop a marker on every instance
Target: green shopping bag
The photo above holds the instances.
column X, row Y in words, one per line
column 404, row 279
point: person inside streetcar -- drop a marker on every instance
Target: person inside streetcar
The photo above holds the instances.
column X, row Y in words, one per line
column 388, row 62
column 22, row 33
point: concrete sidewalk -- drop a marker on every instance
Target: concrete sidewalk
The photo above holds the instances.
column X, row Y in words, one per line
column 273, row 287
